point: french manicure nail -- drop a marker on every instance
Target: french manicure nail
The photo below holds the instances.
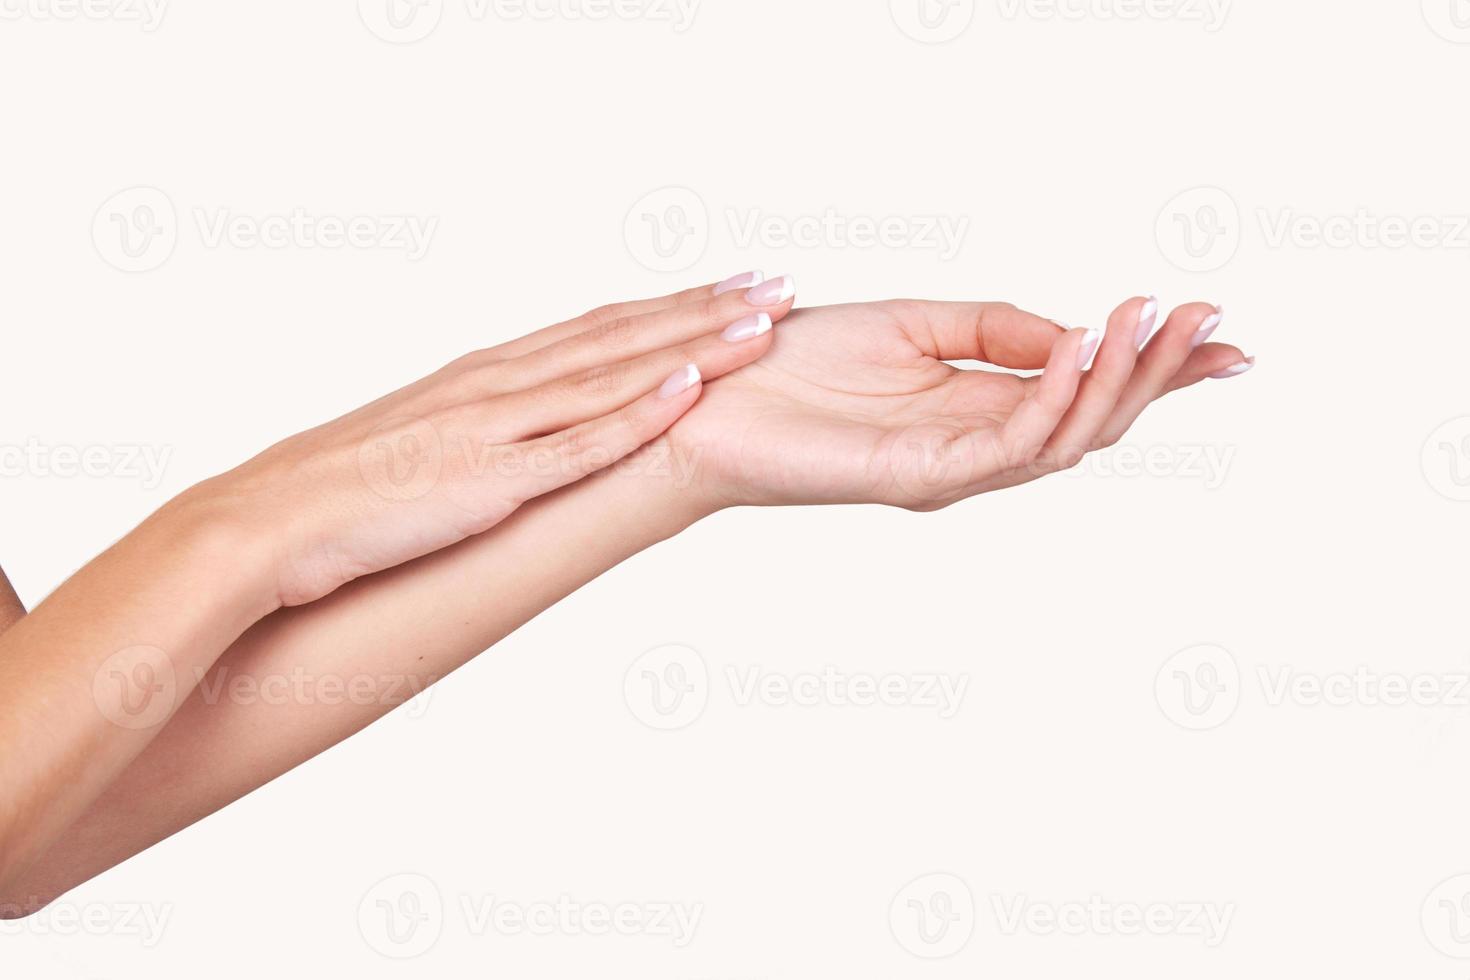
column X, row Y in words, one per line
column 772, row 293
column 1146, row 319
column 747, row 327
column 1064, row 326
column 1090, row 340
column 680, row 381
column 1211, row 324
column 743, row 281
column 1236, row 371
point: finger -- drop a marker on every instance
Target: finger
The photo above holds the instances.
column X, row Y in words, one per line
column 619, row 311
column 1020, row 440
column 1098, row 393
column 997, row 333
column 1211, row 362
column 543, row 465
column 568, row 401
column 629, row 337
column 1187, row 328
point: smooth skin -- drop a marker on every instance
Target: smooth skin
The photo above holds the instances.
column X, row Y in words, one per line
column 90, row 677
column 826, row 416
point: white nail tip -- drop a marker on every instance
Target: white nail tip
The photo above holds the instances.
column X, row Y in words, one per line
column 680, row 381
column 745, row 280
column 1091, row 340
column 1235, row 371
column 747, row 328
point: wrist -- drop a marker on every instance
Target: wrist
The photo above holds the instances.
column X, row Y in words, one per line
column 217, row 537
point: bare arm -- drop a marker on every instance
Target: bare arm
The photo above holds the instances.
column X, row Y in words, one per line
column 92, row 676
column 11, row 609
column 393, row 634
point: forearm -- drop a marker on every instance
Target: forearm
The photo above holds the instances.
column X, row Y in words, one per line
column 11, row 609
column 391, row 634
column 90, row 677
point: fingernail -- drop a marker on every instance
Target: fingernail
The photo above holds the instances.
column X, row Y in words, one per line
column 1090, row 340
column 680, row 381
column 743, row 281
column 1236, row 371
column 747, row 327
column 1064, row 326
column 1211, row 324
column 772, row 293
column 1146, row 319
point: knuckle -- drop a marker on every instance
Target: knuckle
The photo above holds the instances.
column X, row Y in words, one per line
column 615, row 333
column 633, row 417
column 572, row 444
column 603, row 380
column 710, row 309
column 601, row 314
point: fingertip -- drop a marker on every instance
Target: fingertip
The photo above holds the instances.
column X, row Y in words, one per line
column 741, row 280
column 681, row 382
column 1136, row 319
column 1211, row 362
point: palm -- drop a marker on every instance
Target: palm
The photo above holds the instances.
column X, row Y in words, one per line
column 845, row 407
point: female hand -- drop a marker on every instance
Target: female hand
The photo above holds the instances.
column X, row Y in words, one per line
column 456, row 453
column 855, row 404
column 90, row 677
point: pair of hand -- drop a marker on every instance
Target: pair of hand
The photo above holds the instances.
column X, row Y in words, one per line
column 837, row 404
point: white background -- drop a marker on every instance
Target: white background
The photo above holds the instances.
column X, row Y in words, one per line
column 1330, row 541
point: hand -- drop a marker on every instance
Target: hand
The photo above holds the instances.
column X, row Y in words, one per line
column 855, row 404
column 458, row 452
